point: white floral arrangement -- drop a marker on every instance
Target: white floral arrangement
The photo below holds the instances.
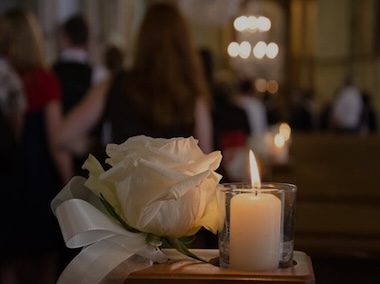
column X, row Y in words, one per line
column 156, row 191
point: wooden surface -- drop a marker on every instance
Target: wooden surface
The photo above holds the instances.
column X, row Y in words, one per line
column 183, row 270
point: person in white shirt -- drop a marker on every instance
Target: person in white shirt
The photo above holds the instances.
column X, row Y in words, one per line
column 253, row 107
column 347, row 108
column 74, row 68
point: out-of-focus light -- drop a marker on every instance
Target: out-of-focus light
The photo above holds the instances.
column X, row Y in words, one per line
column 252, row 26
column 279, row 140
column 272, row 86
column 272, row 50
column 261, row 85
column 233, row 49
column 263, row 24
column 241, row 23
column 285, row 130
column 245, row 49
column 260, row 49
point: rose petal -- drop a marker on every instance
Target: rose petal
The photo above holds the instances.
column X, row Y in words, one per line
column 165, row 186
column 100, row 186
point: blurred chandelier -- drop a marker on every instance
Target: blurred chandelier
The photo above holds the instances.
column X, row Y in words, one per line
column 252, row 24
column 261, row 49
column 249, row 25
column 211, row 12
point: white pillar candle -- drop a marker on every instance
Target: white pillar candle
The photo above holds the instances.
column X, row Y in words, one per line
column 255, row 231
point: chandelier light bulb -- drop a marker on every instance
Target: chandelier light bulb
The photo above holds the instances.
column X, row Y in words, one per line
column 245, row 49
column 252, row 23
column 260, row 49
column 233, row 49
column 241, row 23
column 272, row 50
column 263, row 24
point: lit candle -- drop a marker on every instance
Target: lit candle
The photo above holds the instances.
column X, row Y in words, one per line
column 255, row 227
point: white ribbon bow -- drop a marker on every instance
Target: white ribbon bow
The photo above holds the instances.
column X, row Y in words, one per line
column 106, row 244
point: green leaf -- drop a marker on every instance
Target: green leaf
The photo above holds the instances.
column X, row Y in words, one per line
column 180, row 246
column 111, row 210
column 154, row 240
column 187, row 240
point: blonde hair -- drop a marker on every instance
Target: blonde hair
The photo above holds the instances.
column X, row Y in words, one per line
column 26, row 40
column 167, row 70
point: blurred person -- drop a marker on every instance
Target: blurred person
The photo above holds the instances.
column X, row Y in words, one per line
column 253, row 106
column 302, row 114
column 12, row 107
column 35, row 232
column 368, row 117
column 347, row 108
column 207, row 60
column 231, row 123
column 75, row 72
column 163, row 94
column 12, row 98
column 113, row 58
column 273, row 112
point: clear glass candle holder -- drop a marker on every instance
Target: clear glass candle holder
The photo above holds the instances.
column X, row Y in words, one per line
column 286, row 193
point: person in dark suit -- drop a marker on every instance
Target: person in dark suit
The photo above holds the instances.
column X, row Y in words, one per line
column 76, row 73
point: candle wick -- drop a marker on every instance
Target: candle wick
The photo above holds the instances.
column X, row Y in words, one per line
column 256, row 189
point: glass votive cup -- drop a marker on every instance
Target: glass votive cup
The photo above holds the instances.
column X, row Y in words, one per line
column 286, row 193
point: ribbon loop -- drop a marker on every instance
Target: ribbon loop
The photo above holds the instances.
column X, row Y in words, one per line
column 106, row 243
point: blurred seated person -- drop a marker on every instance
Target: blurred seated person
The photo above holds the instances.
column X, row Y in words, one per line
column 163, row 94
column 273, row 113
column 302, row 116
column 347, row 108
column 369, row 117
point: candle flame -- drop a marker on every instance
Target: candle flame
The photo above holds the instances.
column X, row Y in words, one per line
column 255, row 176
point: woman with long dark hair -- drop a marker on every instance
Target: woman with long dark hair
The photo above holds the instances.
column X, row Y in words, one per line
column 164, row 93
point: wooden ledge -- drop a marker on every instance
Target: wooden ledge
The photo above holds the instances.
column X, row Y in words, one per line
column 184, row 270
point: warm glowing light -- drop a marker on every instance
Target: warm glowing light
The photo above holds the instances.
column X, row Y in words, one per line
column 252, row 26
column 245, row 49
column 252, row 23
column 255, row 176
column 285, row 130
column 263, row 24
column 272, row 86
column 272, row 50
column 233, row 49
column 261, row 85
column 241, row 23
column 260, row 49
column 279, row 140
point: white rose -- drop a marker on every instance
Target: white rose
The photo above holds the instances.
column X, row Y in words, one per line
column 166, row 187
